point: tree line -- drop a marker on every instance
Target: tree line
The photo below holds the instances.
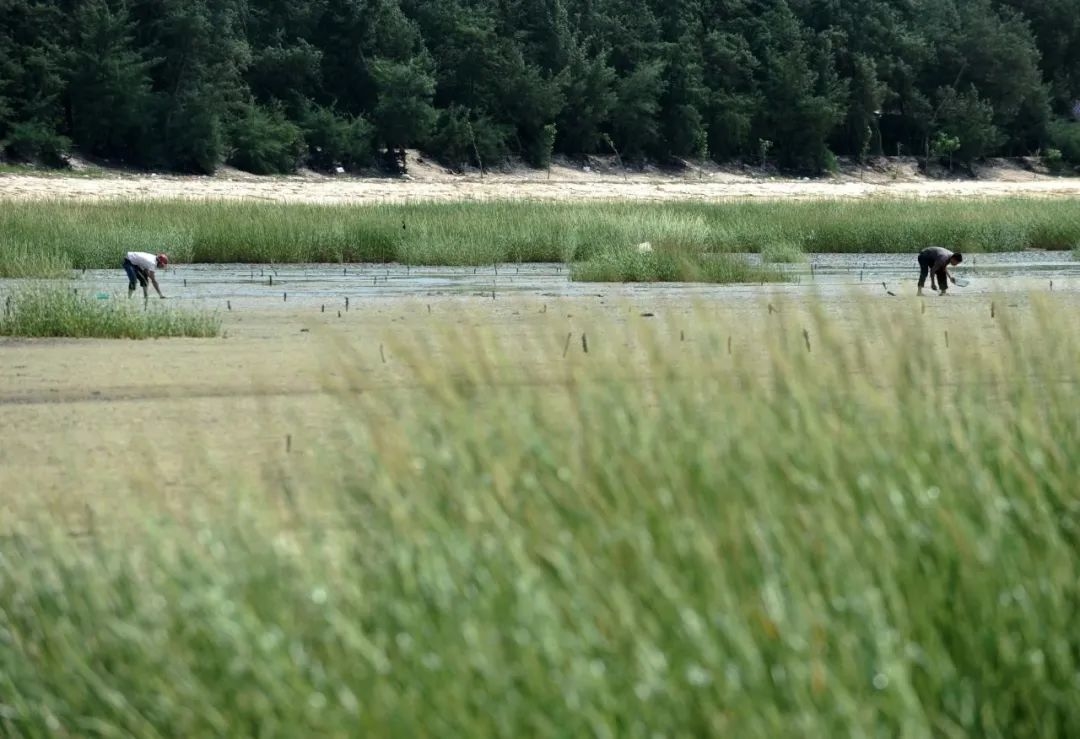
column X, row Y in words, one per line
column 270, row 85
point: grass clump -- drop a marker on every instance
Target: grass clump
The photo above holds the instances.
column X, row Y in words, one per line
column 60, row 312
column 699, row 544
column 629, row 265
column 782, row 253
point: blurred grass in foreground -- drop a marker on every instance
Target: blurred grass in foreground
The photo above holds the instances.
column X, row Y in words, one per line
column 40, row 238
column 832, row 533
column 60, row 312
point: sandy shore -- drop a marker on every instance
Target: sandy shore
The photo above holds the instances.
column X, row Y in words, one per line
column 427, row 182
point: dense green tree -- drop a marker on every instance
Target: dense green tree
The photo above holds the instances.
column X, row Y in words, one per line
column 188, row 84
column 265, row 142
column 636, row 128
column 32, row 84
column 111, row 105
column 588, row 87
column 403, row 114
column 334, row 140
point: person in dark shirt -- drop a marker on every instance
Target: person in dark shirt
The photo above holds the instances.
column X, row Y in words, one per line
column 935, row 262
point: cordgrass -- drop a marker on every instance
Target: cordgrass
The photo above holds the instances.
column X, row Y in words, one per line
column 38, row 237
column 782, row 252
column 848, row 538
column 628, row 265
column 60, row 312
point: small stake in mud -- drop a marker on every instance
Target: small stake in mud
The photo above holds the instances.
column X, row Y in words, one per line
column 323, row 308
column 284, row 297
column 382, row 354
column 185, row 282
column 584, row 344
column 729, row 345
column 228, row 304
column 288, row 443
column 771, row 309
column 346, row 303
column 1051, row 286
column 992, row 306
column 946, row 339
column 806, row 337
column 271, row 280
column 682, row 335
column 429, row 307
column 566, row 347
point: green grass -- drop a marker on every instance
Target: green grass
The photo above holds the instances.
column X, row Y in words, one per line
column 41, row 237
column 782, row 253
column 60, row 312
column 628, row 265
column 858, row 540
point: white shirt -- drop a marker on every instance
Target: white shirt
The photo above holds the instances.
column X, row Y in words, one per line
column 142, row 259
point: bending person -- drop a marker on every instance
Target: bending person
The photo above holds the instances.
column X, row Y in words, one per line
column 140, row 267
column 935, row 262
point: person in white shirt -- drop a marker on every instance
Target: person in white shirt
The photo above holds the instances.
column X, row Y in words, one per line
column 140, row 267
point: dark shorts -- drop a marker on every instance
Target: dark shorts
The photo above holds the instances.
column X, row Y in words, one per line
column 135, row 274
column 926, row 263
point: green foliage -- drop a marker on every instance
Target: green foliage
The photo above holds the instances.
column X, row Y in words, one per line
column 969, row 119
column 36, row 142
column 334, row 140
column 540, row 155
column 265, row 142
column 61, row 312
column 403, row 114
column 588, row 86
column 665, row 537
column 111, row 101
column 944, row 146
column 636, row 129
column 1065, row 136
column 165, row 85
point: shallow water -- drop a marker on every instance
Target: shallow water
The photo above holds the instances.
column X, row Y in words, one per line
column 268, row 287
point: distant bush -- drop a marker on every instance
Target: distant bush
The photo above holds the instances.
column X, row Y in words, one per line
column 264, row 142
column 1065, row 136
column 35, row 142
column 462, row 140
column 334, row 140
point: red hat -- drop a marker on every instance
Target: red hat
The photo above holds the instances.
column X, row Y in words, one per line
column 162, row 260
